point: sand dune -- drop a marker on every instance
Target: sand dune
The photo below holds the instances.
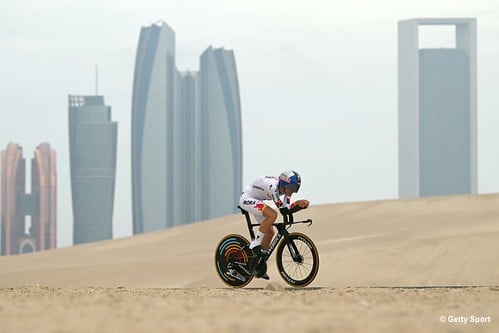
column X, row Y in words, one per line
column 385, row 265
column 446, row 241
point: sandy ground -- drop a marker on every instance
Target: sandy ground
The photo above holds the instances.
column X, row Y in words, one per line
column 427, row 265
column 44, row 309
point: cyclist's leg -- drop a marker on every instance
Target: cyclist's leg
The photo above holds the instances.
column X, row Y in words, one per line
column 264, row 215
column 266, row 226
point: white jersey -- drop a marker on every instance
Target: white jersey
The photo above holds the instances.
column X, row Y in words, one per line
column 266, row 188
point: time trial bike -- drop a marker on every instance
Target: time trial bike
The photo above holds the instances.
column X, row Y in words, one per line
column 297, row 257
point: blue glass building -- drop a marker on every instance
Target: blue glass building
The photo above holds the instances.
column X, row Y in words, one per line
column 437, row 111
column 186, row 135
column 92, row 148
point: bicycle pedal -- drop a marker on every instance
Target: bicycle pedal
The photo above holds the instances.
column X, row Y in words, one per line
column 258, row 267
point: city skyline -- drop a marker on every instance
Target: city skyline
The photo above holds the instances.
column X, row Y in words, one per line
column 186, row 135
column 318, row 79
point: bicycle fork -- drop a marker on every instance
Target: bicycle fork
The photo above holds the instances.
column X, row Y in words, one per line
column 293, row 250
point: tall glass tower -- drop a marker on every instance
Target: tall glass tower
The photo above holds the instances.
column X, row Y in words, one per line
column 92, row 148
column 437, row 111
column 186, row 135
column 220, row 133
column 152, row 129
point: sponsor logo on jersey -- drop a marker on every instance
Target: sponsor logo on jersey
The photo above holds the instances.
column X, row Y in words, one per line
column 249, row 202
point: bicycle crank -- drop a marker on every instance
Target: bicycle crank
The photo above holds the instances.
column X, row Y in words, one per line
column 258, row 266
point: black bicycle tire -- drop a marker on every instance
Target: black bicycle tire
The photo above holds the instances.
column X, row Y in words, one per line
column 314, row 257
column 238, row 242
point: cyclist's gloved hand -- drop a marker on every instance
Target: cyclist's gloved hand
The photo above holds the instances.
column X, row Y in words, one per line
column 298, row 205
column 301, row 203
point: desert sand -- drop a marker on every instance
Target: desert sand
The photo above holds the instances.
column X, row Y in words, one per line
column 424, row 265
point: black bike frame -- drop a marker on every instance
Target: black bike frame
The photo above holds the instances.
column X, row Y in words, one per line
column 281, row 232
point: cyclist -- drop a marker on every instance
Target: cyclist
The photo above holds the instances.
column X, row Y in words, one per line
column 269, row 188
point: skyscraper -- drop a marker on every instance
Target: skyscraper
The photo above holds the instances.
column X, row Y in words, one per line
column 186, row 135
column 92, row 148
column 437, row 111
column 18, row 234
column 152, row 129
column 220, row 133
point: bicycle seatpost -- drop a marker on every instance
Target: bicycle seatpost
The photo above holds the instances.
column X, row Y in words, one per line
column 248, row 222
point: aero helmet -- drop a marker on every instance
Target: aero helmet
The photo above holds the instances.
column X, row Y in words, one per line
column 290, row 180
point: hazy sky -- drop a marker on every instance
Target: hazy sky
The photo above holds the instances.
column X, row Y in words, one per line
column 318, row 83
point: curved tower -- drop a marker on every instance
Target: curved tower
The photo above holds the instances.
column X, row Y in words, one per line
column 186, row 135
column 152, row 128
column 13, row 188
column 44, row 187
column 221, row 133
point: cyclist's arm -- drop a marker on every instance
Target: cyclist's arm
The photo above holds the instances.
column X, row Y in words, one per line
column 280, row 204
column 276, row 198
column 303, row 203
column 295, row 207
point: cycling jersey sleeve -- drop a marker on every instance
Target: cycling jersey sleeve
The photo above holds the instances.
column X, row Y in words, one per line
column 271, row 188
column 281, row 203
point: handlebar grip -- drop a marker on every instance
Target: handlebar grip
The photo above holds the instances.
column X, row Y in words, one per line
column 295, row 209
column 287, row 211
column 284, row 211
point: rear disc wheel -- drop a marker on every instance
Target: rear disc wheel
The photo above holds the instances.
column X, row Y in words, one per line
column 232, row 261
